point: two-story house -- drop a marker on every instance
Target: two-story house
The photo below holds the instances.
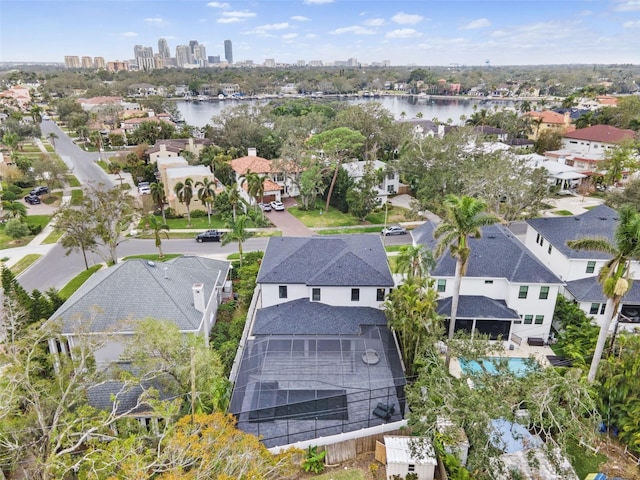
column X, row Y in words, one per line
column 389, row 179
column 547, row 238
column 317, row 357
column 506, row 293
column 596, row 139
column 174, row 147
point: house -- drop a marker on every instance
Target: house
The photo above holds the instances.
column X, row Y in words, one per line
column 389, row 183
column 130, row 124
column 277, row 182
column 96, row 103
column 317, row 358
column 506, row 292
column 174, row 147
column 185, row 291
column 596, row 139
column 559, row 174
column 548, row 120
column 584, row 163
column 18, row 96
column 547, row 238
column 406, row 455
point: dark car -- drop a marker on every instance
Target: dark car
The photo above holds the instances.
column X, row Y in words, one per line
column 209, row 236
column 39, row 191
column 32, row 199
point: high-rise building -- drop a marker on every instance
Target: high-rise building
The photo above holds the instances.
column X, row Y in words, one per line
column 98, row 62
column 72, row 61
column 144, row 57
column 163, row 48
column 269, row 62
column 200, row 55
column 301, row 63
column 192, row 45
column 214, row 59
column 228, row 51
column 117, row 66
column 183, row 55
column 87, row 62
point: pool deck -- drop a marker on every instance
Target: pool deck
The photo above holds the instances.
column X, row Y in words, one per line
column 520, row 351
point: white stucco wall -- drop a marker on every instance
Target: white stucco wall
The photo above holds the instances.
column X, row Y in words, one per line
column 337, row 296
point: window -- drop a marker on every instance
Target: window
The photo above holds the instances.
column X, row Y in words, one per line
column 549, row 249
column 411, row 467
column 355, row 294
column 524, row 290
column 538, row 238
column 488, row 282
column 544, row 293
column 594, row 309
column 442, row 285
column 591, row 266
column 528, row 319
column 282, row 291
column 315, row 294
column 380, row 295
column 541, row 241
column 539, row 319
column 603, row 308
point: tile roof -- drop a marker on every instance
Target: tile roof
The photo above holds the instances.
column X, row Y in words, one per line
column 599, row 222
column 497, row 254
column 303, row 317
column 601, row 133
column 548, row 116
column 251, row 163
column 341, row 260
column 112, row 300
column 477, row 306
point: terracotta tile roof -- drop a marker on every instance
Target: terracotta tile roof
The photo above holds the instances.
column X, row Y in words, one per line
column 601, row 133
column 269, row 186
column 256, row 164
column 548, row 117
column 607, row 100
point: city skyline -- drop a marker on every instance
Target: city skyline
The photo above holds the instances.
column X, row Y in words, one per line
column 516, row 32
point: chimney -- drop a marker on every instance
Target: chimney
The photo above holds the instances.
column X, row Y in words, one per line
column 440, row 130
column 198, row 297
column 252, row 152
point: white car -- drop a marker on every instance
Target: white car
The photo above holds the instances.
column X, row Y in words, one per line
column 144, row 188
column 277, row 206
column 394, row 231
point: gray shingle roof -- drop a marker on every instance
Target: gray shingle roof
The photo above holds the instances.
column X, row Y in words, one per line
column 599, row 222
column 497, row 254
column 114, row 298
column 302, row 317
column 476, row 306
column 343, row 260
column 589, row 290
column 104, row 396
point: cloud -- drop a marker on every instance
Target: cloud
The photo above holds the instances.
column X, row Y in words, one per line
column 289, row 36
column 156, row 21
column 229, row 20
column 632, row 24
column 300, row 18
column 238, row 14
column 374, row 22
column 311, row 35
column 218, row 5
column 403, row 33
column 355, row 29
column 407, row 18
column 627, row 5
column 129, row 34
column 477, row 23
column 273, row 26
column 317, row 2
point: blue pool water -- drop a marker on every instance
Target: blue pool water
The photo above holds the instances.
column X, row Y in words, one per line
column 517, row 365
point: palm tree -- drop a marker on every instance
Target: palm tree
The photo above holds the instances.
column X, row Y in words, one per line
column 254, row 183
column 52, row 139
column 237, row 232
column 614, row 276
column 207, row 194
column 463, row 220
column 36, row 113
column 233, row 194
column 15, row 209
column 158, row 228
column 414, row 261
column 184, row 192
column 159, row 197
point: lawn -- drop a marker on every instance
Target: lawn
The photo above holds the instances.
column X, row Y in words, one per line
column 76, row 197
column 76, row 282
column 8, row 242
column 24, row 263
column 342, row 231
column 565, row 213
column 318, row 218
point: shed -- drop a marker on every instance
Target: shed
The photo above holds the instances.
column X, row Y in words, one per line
column 454, row 439
column 410, row 455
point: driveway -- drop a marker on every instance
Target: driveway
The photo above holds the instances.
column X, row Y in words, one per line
column 287, row 223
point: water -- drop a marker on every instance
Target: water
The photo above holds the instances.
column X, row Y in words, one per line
column 200, row 114
column 517, row 365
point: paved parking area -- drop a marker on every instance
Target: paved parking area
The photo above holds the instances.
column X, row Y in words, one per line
column 287, row 223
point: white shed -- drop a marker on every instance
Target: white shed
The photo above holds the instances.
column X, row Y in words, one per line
column 410, row 455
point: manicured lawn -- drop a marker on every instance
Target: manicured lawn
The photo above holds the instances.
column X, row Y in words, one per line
column 565, row 213
column 318, row 218
column 342, row 231
column 394, row 215
column 8, row 242
column 73, row 181
column 154, row 257
column 199, row 223
column 76, row 197
column 53, row 237
column 393, row 248
column 24, row 263
column 76, row 282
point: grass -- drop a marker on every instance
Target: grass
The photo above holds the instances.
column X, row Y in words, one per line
column 76, row 282
column 41, row 220
column 318, row 218
column 154, row 257
column 340, row 231
column 565, row 213
column 76, row 197
column 341, row 475
column 583, row 460
column 7, row 242
column 73, row 181
column 53, row 237
column 393, row 248
column 393, row 264
column 25, row 262
column 198, row 223
column 394, row 215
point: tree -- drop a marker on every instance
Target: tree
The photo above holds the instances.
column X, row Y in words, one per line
column 79, row 231
column 465, row 216
column 159, row 197
column 52, row 172
column 362, row 198
column 158, row 229
column 184, row 193
column 207, row 194
column 16, row 229
column 414, row 261
column 617, row 162
column 16, row 210
column 36, row 113
column 237, row 232
column 311, row 185
column 150, row 131
column 233, row 197
column 335, row 147
column 116, row 169
column 255, row 185
column 614, row 276
column 548, row 139
column 11, row 140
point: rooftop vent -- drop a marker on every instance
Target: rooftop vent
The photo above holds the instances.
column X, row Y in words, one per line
column 151, row 263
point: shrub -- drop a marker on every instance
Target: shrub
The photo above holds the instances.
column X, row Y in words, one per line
column 314, row 461
column 198, row 214
column 16, row 229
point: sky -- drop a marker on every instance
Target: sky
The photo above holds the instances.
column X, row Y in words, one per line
column 418, row 32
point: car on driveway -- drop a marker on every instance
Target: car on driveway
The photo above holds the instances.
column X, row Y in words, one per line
column 209, row 236
column 39, row 191
column 394, row 231
column 265, row 207
column 277, row 206
column 144, row 188
column 32, row 199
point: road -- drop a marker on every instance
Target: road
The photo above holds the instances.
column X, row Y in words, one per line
column 81, row 163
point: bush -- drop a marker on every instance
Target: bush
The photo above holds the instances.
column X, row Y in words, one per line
column 35, row 229
column 198, row 214
column 16, row 229
column 314, row 461
column 9, row 196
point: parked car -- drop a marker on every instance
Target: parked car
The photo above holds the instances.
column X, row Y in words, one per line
column 144, row 188
column 209, row 236
column 277, row 206
column 39, row 191
column 265, row 207
column 32, row 199
column 394, row 231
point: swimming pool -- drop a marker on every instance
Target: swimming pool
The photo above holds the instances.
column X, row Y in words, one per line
column 517, row 365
